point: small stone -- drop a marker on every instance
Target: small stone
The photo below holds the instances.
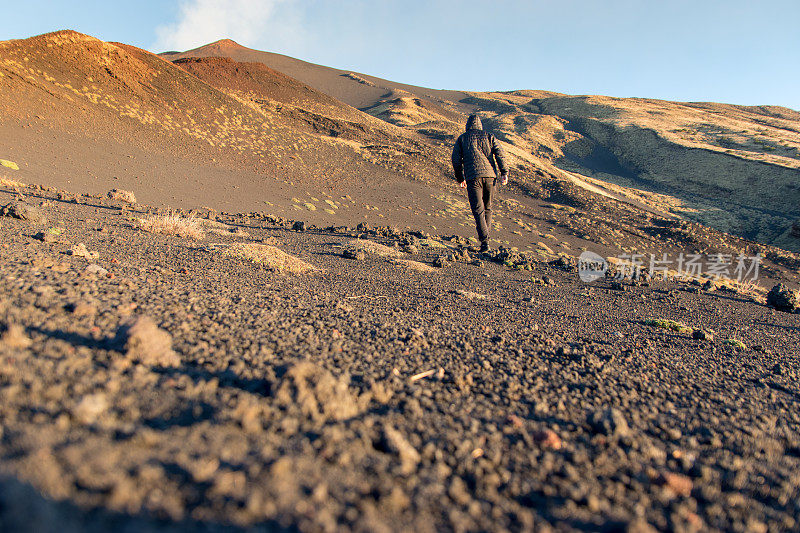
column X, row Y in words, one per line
column 23, row 211
column 514, row 420
column 548, row 439
column 299, row 225
column 702, row 335
column 14, row 337
column 96, row 269
column 679, row 484
column 79, row 250
column 144, row 342
column 45, row 236
column 609, row 422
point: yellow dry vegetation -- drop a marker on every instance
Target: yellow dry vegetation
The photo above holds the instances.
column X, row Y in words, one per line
column 374, row 248
column 9, row 164
column 7, row 182
column 189, row 227
column 414, row 265
column 270, row 257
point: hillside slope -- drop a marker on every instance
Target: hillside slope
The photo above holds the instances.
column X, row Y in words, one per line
column 94, row 115
column 731, row 167
column 735, row 168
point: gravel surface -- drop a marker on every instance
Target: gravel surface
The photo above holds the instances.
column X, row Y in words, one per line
column 163, row 385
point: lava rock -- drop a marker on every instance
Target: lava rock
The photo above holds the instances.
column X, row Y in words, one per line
column 784, row 299
column 702, row 335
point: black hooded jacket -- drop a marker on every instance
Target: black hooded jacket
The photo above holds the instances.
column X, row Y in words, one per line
column 475, row 153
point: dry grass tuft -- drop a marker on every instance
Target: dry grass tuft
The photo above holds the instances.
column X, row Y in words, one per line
column 270, row 257
column 747, row 288
column 471, row 295
column 414, row 265
column 8, row 182
column 374, row 248
column 189, row 227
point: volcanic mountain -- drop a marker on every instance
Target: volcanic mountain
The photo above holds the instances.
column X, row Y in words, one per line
column 232, row 128
column 735, row 168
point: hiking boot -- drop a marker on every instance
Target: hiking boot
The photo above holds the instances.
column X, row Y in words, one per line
column 484, row 247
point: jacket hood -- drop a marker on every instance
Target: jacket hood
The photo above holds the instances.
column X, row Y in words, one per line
column 474, row 123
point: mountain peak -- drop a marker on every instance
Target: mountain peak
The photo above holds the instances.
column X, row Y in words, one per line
column 228, row 43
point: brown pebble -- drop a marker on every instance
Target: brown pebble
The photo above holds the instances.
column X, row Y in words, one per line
column 677, row 483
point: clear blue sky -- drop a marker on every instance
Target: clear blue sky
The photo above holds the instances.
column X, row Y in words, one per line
column 736, row 51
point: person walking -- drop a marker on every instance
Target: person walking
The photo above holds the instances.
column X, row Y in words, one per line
column 477, row 156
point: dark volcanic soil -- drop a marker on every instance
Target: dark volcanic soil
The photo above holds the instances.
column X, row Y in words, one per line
column 290, row 400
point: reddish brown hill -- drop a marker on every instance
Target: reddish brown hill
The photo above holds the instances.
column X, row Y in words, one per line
column 71, row 102
column 358, row 90
column 256, row 79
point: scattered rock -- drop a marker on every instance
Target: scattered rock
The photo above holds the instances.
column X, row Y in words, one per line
column 548, row 439
column 23, row 211
column 709, row 286
column 122, row 196
column 567, row 264
column 79, row 250
column 316, row 392
column 393, row 441
column 14, row 337
column 96, row 269
column 46, row 236
column 609, row 422
column 144, row 342
column 784, row 299
column 299, row 225
column 702, row 335
column 440, row 262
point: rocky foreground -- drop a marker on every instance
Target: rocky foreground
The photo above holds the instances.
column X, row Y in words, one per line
column 162, row 382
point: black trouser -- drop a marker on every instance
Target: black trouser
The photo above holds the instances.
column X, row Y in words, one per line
column 480, row 192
